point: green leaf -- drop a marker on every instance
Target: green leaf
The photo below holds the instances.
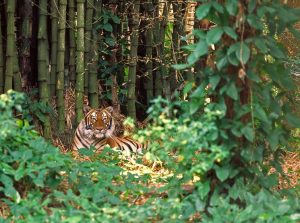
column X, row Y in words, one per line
column 199, row 33
column 222, row 62
column 275, row 51
column 230, row 32
column 222, row 172
column 189, row 47
column 218, row 7
column 254, row 22
column 273, row 138
column 214, row 35
column 243, row 53
column 203, row 189
column 195, row 104
column 116, row 19
column 231, row 6
column 188, row 87
column 214, row 81
column 251, row 6
column 248, row 132
column 180, row 66
column 200, row 50
column 202, row 10
column 107, row 27
column 293, row 120
column 20, row 172
column 253, row 76
column 260, row 113
column 232, row 91
column 192, row 58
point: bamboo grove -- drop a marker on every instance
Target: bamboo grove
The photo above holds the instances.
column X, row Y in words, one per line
column 113, row 52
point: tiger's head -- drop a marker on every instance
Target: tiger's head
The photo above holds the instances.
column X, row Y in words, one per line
column 100, row 121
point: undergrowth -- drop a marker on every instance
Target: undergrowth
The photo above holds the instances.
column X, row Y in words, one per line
column 40, row 184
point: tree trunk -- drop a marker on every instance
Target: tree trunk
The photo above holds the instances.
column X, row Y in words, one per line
column 1, row 59
column 133, row 60
column 79, row 61
column 10, row 53
column 149, row 49
column 60, row 65
column 72, row 70
column 87, row 45
column 42, row 63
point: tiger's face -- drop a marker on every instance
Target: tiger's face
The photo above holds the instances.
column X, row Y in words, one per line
column 99, row 121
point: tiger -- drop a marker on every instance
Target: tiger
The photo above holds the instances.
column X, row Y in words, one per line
column 96, row 126
column 97, row 130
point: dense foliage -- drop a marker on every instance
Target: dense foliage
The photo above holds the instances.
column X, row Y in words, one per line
column 221, row 147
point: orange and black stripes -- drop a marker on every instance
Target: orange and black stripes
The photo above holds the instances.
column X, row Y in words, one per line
column 96, row 130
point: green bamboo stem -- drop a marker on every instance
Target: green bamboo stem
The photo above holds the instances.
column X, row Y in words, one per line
column 87, row 45
column 17, row 83
column 93, row 80
column 72, row 46
column 10, row 9
column 1, row 60
column 26, row 34
column 42, row 63
column 131, row 109
column 60, row 79
column 54, row 27
column 79, row 87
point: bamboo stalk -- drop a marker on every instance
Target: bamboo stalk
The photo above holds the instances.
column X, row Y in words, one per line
column 26, row 42
column 163, row 69
column 72, row 46
column 10, row 9
column 1, row 59
column 54, row 24
column 60, row 65
column 79, row 88
column 42, row 63
column 87, row 45
column 17, row 83
column 131, row 109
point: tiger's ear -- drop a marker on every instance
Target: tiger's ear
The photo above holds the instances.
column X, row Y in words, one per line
column 86, row 109
column 110, row 109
